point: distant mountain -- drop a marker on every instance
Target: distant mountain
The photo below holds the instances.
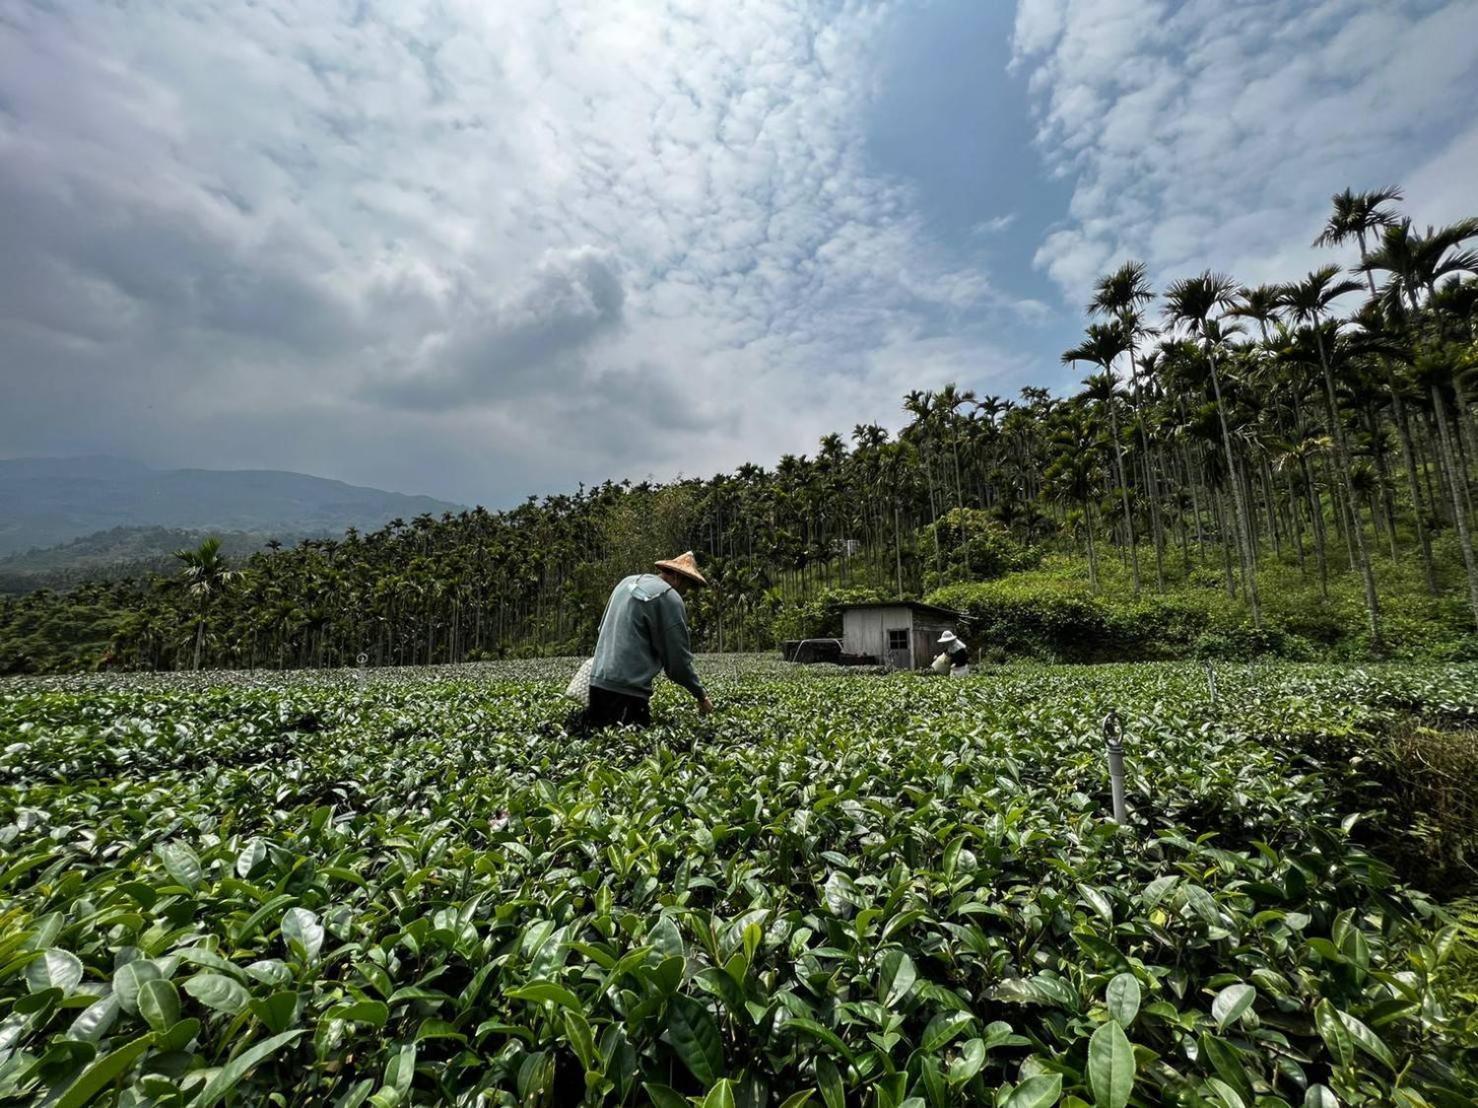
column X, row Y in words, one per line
column 122, row 552
column 48, row 501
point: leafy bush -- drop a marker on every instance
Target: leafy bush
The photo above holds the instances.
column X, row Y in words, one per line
column 412, row 887
column 1247, row 642
column 972, row 547
column 821, row 616
column 1056, row 620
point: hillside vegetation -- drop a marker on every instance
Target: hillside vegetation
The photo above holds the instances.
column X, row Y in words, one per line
column 123, row 552
column 1282, row 468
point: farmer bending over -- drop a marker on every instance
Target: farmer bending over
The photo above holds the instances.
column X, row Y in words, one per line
column 644, row 631
column 958, row 654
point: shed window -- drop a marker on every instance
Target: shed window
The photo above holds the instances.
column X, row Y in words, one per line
column 898, row 639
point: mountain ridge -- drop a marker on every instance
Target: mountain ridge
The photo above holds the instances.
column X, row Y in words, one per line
column 46, row 502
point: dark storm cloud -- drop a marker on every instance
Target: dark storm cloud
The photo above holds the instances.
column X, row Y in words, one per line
column 505, row 351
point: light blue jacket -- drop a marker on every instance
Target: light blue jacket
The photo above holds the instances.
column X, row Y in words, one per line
column 644, row 632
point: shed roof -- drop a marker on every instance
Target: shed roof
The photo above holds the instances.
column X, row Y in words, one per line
column 911, row 605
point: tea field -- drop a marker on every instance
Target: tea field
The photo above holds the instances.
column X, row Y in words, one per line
column 414, row 888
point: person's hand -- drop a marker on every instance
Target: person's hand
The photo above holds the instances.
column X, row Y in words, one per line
column 705, row 707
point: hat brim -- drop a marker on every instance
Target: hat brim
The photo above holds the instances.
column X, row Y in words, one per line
column 697, row 578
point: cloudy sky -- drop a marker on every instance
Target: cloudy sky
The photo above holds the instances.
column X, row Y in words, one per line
column 480, row 250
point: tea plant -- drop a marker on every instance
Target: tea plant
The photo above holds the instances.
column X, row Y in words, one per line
column 416, row 888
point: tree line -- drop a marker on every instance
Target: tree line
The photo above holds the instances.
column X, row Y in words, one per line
column 1327, row 422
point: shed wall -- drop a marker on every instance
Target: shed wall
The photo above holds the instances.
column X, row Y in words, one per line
column 865, row 631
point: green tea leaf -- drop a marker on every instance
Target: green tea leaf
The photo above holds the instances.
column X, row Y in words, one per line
column 943, row 1029
column 301, row 927
column 178, row 1037
column 128, row 981
column 1041, row 1091
column 103, row 1073
column 1123, row 997
column 1227, row 1062
column 159, row 1004
column 666, row 939
column 663, row 1097
column 229, row 1076
column 54, row 969
column 95, row 1020
column 695, row 1039
column 898, row 978
column 1368, row 1041
column 1231, row 1003
column 217, row 991
column 968, row 1064
column 278, row 1010
column 546, row 992
column 829, row 1082
column 252, row 855
column 375, row 1013
column 1334, row 1033
column 1111, row 1066
column 1229, row 1096
column 400, row 1071
column 181, row 863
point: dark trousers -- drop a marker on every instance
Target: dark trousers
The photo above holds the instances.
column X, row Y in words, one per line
column 613, row 709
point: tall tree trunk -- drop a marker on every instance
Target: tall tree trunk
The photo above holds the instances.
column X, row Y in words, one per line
column 1124, row 493
column 1295, row 517
column 1249, row 571
column 1150, row 458
column 1408, row 455
column 1265, row 478
column 1386, row 498
column 1316, row 512
column 1465, row 538
column 898, row 549
column 1367, row 577
column 1092, row 551
column 1226, row 544
column 1194, row 485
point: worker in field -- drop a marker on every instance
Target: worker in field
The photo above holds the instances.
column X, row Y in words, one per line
column 644, row 632
column 957, row 653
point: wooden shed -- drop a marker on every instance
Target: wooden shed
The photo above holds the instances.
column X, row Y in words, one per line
column 903, row 634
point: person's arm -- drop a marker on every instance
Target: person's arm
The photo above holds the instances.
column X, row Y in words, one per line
column 677, row 651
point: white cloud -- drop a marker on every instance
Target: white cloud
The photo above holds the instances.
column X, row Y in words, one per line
column 473, row 231
column 1208, row 134
column 995, row 225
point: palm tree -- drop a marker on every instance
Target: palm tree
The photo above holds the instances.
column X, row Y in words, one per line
column 1386, row 348
column 1104, row 344
column 1414, row 263
column 1121, row 295
column 1308, row 302
column 1299, row 454
column 206, row 577
column 1189, row 303
column 1356, row 215
column 1261, row 305
column 1435, row 369
column 1073, row 474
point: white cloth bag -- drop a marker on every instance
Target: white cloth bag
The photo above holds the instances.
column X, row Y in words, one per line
column 578, row 689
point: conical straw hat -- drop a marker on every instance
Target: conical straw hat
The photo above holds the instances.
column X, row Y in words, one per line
column 687, row 565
